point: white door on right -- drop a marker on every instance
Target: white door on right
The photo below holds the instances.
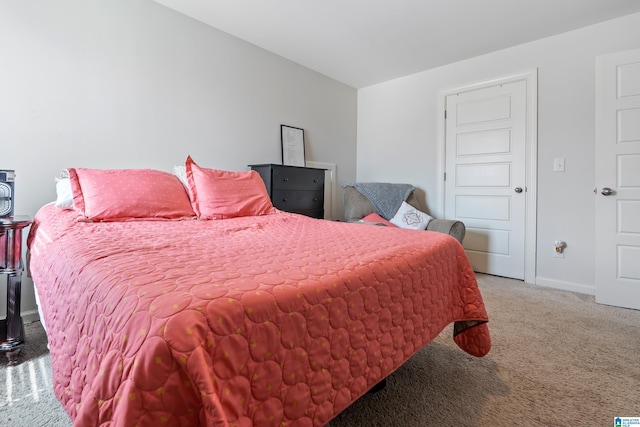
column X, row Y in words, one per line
column 618, row 179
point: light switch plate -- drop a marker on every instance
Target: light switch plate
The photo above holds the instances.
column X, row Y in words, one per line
column 558, row 164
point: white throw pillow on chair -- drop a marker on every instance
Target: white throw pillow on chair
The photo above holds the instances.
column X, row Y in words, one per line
column 410, row 217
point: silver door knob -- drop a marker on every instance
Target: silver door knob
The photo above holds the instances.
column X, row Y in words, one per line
column 606, row 191
column 518, row 190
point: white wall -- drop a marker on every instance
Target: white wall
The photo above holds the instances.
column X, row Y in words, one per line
column 132, row 84
column 397, row 141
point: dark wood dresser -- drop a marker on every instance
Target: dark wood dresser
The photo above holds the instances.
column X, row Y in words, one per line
column 294, row 189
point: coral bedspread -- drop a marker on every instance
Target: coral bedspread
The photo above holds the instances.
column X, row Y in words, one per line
column 265, row 321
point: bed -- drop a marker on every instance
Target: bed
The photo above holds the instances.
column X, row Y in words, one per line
column 267, row 319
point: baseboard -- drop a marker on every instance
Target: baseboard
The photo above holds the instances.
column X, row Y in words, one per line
column 566, row 286
column 30, row 316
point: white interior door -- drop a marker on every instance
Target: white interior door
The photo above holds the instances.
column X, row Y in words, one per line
column 485, row 184
column 618, row 179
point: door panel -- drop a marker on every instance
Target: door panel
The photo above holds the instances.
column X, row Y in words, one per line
column 483, row 175
column 490, row 241
column 618, row 168
column 484, row 207
column 628, row 167
column 629, row 125
column 485, row 139
column 629, row 212
column 485, row 142
column 629, row 79
column 483, row 110
column 629, row 267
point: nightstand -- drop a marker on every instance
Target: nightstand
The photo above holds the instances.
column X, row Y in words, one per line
column 12, row 328
column 293, row 188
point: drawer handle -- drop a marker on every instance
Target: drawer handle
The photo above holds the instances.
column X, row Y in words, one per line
column 285, row 179
column 315, row 199
column 315, row 180
column 284, row 200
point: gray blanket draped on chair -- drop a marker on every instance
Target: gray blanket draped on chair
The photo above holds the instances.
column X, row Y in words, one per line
column 385, row 197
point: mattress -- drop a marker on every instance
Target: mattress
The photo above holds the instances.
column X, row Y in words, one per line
column 274, row 320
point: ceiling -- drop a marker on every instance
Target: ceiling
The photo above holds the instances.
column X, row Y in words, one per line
column 364, row 42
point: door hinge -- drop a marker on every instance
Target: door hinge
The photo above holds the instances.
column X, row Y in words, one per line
column 445, row 114
column 445, row 176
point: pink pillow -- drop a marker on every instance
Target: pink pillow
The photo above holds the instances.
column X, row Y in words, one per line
column 117, row 195
column 374, row 217
column 217, row 194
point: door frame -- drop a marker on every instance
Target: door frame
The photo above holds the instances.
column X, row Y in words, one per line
column 531, row 157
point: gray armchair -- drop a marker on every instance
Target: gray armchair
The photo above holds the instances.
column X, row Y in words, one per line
column 357, row 206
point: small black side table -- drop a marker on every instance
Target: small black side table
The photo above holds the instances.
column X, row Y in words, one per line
column 12, row 328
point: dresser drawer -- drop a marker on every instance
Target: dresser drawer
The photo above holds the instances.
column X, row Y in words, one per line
column 294, row 189
column 298, row 179
column 289, row 200
column 313, row 213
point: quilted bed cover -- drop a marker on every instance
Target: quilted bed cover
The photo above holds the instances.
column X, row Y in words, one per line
column 277, row 320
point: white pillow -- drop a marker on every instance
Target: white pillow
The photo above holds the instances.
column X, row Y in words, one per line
column 63, row 190
column 181, row 173
column 410, row 217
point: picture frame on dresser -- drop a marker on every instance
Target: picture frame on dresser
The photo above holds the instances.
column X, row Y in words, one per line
column 292, row 139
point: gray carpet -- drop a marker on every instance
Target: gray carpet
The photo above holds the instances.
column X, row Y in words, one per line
column 557, row 359
column 26, row 392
